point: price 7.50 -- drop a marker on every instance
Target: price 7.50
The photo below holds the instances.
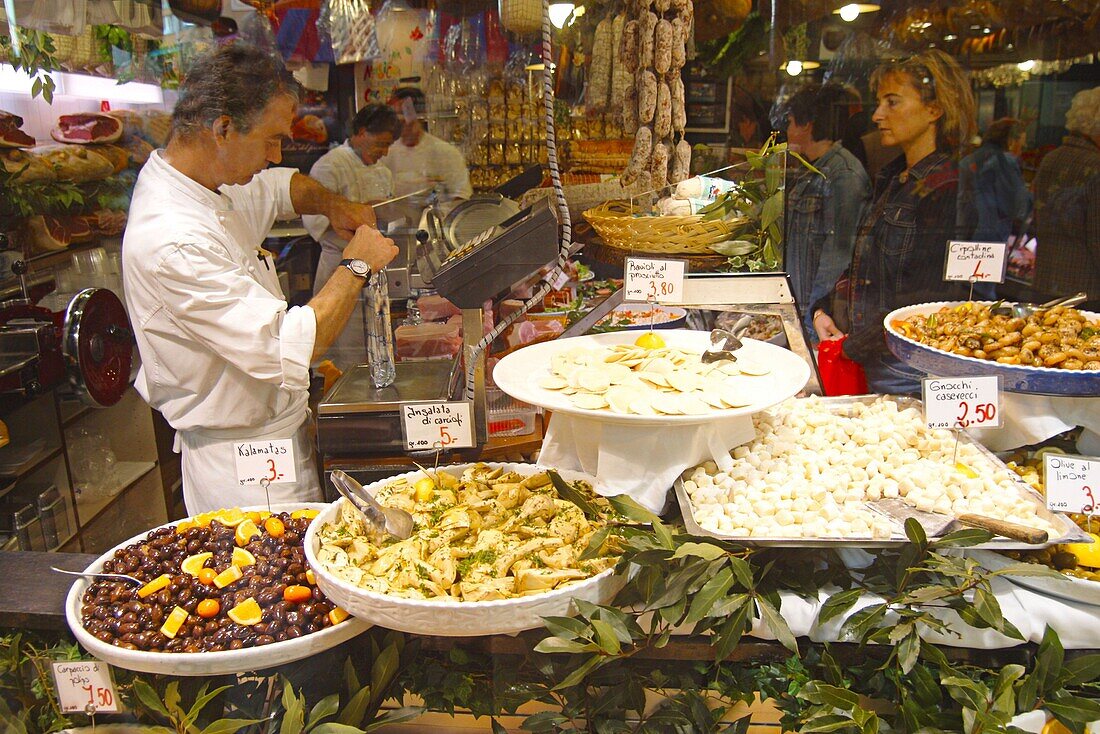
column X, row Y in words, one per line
column 99, row 696
column 975, row 415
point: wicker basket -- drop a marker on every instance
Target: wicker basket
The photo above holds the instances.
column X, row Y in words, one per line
column 620, row 227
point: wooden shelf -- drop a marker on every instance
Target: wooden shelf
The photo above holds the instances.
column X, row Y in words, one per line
column 129, row 473
column 79, row 411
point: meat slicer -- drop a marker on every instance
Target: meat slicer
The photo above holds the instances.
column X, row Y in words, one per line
column 85, row 351
column 356, row 420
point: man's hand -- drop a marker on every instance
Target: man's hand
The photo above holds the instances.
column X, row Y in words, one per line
column 348, row 216
column 825, row 327
column 371, row 246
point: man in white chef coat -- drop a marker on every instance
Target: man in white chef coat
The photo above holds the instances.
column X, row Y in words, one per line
column 419, row 159
column 222, row 356
column 352, row 170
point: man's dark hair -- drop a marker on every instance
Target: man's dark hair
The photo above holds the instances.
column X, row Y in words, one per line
column 827, row 107
column 1001, row 132
column 236, row 80
column 402, row 93
column 375, row 119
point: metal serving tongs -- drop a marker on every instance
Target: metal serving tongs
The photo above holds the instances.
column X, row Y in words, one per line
column 119, row 576
column 723, row 345
column 1023, row 310
column 391, row 520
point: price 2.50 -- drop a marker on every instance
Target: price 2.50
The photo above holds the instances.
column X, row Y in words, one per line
column 975, row 415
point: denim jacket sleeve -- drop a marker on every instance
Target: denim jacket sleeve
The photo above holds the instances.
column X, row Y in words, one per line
column 851, row 196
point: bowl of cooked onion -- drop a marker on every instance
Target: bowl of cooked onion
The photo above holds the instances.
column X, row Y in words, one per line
column 495, row 548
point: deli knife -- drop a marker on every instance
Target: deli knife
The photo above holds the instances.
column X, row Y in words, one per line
column 937, row 524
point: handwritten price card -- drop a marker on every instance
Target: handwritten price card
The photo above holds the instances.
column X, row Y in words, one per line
column 981, row 262
column 430, row 426
column 85, row 686
column 1071, row 482
column 659, row 281
column 273, row 461
column 962, row 402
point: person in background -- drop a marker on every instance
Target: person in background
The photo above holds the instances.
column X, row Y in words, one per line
column 419, row 159
column 354, row 171
column 222, row 356
column 1066, row 260
column 994, row 201
column 925, row 107
column 824, row 209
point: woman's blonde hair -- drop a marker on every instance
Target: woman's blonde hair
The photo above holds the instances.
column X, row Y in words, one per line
column 938, row 79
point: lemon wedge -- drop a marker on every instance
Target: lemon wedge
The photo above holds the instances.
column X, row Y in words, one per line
column 231, row 517
column 248, row 613
column 228, row 576
column 155, row 585
column 174, row 621
column 965, row 470
column 308, row 514
column 1087, row 554
column 649, row 340
column 242, row 558
column 193, row 564
column 337, row 615
column 246, row 531
column 424, row 489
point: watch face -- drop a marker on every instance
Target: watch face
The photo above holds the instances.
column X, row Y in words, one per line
column 359, row 267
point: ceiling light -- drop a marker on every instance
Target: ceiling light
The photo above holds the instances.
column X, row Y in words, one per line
column 560, row 12
column 1026, row 65
column 986, row 31
column 794, row 67
column 851, row 11
column 950, row 37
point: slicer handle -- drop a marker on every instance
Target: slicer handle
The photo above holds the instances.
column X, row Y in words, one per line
column 1006, row 529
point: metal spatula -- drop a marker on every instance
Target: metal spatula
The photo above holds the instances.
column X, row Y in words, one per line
column 937, row 524
column 392, row 520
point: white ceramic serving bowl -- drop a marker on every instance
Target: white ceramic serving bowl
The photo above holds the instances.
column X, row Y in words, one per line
column 445, row 617
column 205, row 663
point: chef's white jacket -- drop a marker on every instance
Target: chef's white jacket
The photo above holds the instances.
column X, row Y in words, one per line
column 222, row 356
column 343, row 171
column 430, row 161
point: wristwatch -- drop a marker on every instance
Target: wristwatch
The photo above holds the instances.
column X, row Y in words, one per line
column 357, row 267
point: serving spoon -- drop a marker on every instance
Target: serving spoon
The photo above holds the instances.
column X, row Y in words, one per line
column 1023, row 310
column 391, row 520
column 90, row 575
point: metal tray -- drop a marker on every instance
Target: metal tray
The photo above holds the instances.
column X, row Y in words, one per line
column 1071, row 533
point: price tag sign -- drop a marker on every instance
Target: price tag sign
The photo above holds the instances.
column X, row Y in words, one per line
column 85, row 687
column 962, row 402
column 659, row 281
column 977, row 262
column 270, row 460
column 1072, row 483
column 440, row 426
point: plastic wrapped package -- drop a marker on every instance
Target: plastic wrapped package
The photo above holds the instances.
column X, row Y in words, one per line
column 352, row 30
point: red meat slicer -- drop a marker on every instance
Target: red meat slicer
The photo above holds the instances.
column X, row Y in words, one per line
column 85, row 351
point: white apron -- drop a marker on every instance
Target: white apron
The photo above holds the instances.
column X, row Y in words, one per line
column 210, row 469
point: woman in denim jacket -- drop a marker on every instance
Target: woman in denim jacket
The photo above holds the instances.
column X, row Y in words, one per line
column 926, row 108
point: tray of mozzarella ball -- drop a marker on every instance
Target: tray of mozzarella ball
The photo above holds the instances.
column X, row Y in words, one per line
column 806, row 479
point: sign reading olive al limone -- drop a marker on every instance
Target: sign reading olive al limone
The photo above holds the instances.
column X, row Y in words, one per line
column 653, row 281
column 437, row 426
column 1072, row 482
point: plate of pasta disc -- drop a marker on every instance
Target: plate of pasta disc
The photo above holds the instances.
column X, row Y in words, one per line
column 656, row 378
column 495, row 548
column 1051, row 354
